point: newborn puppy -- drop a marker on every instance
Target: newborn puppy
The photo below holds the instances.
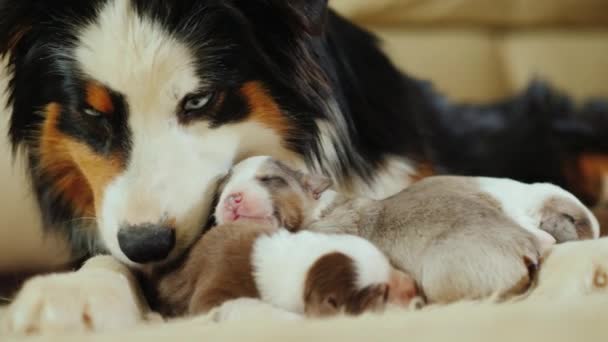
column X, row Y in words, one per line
column 262, row 190
column 459, row 237
column 306, row 273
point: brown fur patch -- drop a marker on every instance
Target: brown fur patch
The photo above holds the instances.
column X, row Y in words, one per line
column 79, row 175
column 99, row 98
column 586, row 177
column 217, row 269
column 601, row 213
column 170, row 223
column 329, row 283
column 234, row 280
column 600, row 278
column 330, row 288
column 372, row 298
column 16, row 37
column 423, row 170
column 290, row 209
column 264, row 109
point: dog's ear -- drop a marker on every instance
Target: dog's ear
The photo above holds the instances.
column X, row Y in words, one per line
column 308, row 14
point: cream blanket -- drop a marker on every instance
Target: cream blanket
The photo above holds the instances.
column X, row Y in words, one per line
column 570, row 303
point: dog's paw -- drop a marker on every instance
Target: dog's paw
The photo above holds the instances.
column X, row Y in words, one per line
column 92, row 300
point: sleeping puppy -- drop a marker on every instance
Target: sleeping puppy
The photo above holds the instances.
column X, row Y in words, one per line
column 460, row 238
column 306, row 273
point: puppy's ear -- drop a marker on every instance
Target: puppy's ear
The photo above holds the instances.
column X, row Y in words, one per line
column 309, row 14
column 316, row 184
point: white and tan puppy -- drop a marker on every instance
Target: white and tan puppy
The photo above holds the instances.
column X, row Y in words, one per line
column 306, row 273
column 460, row 238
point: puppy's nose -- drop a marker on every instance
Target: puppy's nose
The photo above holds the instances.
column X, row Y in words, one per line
column 235, row 199
column 146, row 243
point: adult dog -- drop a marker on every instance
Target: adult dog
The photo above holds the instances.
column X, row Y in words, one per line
column 128, row 110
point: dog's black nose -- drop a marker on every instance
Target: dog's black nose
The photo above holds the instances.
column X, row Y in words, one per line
column 146, row 243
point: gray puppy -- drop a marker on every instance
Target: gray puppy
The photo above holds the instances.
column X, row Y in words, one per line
column 459, row 237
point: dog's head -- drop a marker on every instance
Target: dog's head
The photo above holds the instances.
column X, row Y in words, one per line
column 129, row 110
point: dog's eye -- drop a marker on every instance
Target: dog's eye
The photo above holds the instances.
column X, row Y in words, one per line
column 91, row 112
column 197, row 102
column 195, row 106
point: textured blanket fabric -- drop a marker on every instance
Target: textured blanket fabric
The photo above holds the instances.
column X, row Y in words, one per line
column 575, row 320
column 569, row 303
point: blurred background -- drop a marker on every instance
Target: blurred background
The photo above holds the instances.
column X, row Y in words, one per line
column 482, row 50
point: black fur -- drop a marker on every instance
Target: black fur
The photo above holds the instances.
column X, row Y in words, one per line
column 536, row 136
column 307, row 58
column 38, row 79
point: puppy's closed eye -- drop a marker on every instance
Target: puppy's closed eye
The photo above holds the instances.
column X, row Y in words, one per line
column 276, row 181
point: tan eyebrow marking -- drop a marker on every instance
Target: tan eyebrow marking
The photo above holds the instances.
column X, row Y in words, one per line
column 99, row 98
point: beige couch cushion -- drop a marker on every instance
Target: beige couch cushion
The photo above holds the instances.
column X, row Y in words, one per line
column 480, row 50
column 572, row 60
column 463, row 63
column 494, row 12
column 474, row 65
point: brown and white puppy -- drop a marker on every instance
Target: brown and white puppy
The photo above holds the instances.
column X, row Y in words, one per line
column 307, row 273
column 460, row 238
column 266, row 191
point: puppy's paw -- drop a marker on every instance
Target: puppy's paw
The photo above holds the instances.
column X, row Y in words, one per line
column 402, row 289
column 92, row 300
